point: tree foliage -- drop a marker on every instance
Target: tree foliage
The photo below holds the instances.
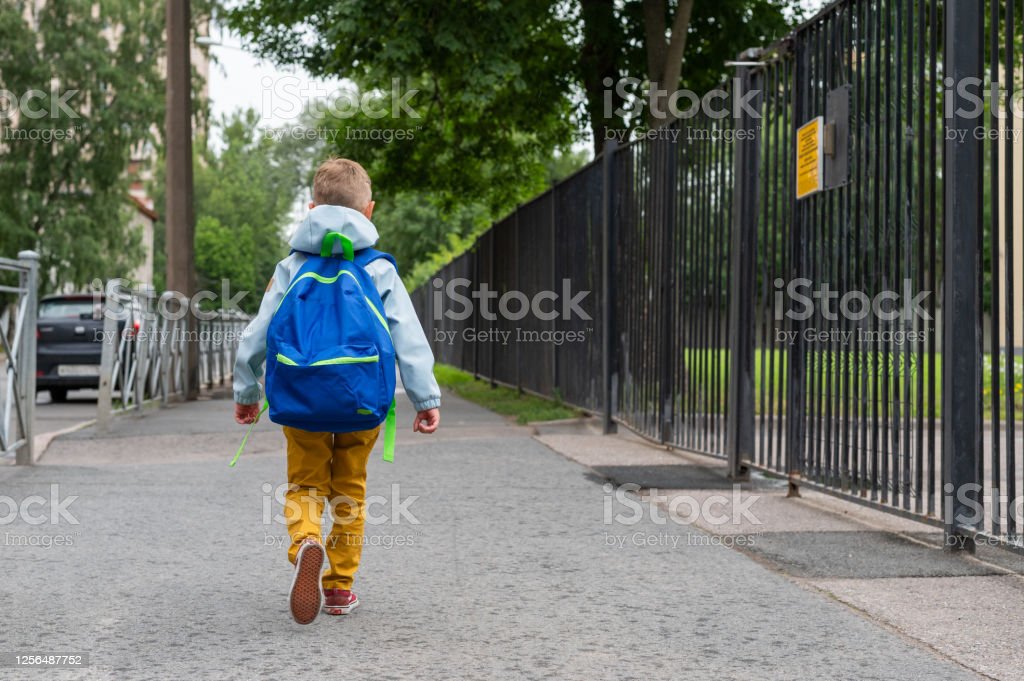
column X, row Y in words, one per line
column 502, row 84
column 244, row 196
column 64, row 172
column 488, row 106
column 664, row 45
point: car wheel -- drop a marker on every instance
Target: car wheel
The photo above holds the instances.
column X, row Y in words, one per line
column 59, row 394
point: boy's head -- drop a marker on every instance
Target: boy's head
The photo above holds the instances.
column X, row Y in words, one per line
column 341, row 182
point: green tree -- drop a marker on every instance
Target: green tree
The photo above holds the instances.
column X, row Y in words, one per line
column 502, row 84
column 92, row 73
column 244, row 196
column 487, row 107
column 666, row 44
column 413, row 226
column 64, row 168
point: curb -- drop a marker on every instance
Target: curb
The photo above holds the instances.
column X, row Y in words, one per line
column 40, row 443
column 579, row 425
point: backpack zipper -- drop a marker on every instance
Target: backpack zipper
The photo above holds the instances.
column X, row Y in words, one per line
column 324, row 362
column 331, row 280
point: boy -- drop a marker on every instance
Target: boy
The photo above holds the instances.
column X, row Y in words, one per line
column 333, row 465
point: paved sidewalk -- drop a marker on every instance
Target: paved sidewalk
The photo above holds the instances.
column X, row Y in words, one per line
column 510, row 572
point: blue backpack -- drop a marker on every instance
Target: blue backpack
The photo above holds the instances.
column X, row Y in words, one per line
column 330, row 358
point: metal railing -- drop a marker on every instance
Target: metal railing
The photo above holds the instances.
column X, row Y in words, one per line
column 18, row 391
column 144, row 355
column 218, row 346
column 683, row 238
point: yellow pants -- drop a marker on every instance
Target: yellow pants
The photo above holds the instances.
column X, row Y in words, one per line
column 329, row 466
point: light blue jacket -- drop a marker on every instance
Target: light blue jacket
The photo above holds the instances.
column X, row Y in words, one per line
column 415, row 360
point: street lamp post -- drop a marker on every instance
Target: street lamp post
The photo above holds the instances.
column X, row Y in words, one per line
column 179, row 213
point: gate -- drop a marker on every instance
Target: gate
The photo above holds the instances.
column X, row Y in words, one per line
column 863, row 339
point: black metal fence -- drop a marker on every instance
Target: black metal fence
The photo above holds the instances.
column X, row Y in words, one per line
column 998, row 186
column 850, row 401
column 802, row 336
column 520, row 336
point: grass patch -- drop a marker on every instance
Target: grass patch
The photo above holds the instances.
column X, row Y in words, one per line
column 505, row 401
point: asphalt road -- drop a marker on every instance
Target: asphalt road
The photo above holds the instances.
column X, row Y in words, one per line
column 502, row 566
column 51, row 417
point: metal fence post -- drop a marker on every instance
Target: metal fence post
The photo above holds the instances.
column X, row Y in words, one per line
column 518, row 258
column 221, row 347
column 111, row 339
column 555, row 282
column 667, row 149
column 167, row 328
column 796, row 374
column 478, row 315
column 743, row 246
column 190, row 371
column 25, row 454
column 609, row 345
column 142, row 347
column 961, row 426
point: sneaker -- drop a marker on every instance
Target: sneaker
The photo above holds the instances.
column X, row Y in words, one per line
column 339, row 601
column 306, row 596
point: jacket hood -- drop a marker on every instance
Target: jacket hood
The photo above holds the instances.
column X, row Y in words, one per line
column 321, row 220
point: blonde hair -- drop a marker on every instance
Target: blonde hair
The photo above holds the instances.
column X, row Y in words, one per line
column 342, row 182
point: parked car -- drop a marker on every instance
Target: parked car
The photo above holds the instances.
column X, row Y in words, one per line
column 69, row 334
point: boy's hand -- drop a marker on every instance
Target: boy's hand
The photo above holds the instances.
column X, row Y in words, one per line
column 246, row 413
column 426, row 421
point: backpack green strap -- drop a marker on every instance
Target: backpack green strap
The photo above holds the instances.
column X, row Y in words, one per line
column 248, row 432
column 389, row 434
column 327, row 246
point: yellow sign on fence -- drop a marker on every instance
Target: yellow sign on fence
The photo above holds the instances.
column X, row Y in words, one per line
column 810, row 171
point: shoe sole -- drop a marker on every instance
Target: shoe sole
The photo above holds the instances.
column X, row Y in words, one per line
column 306, row 596
column 343, row 609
